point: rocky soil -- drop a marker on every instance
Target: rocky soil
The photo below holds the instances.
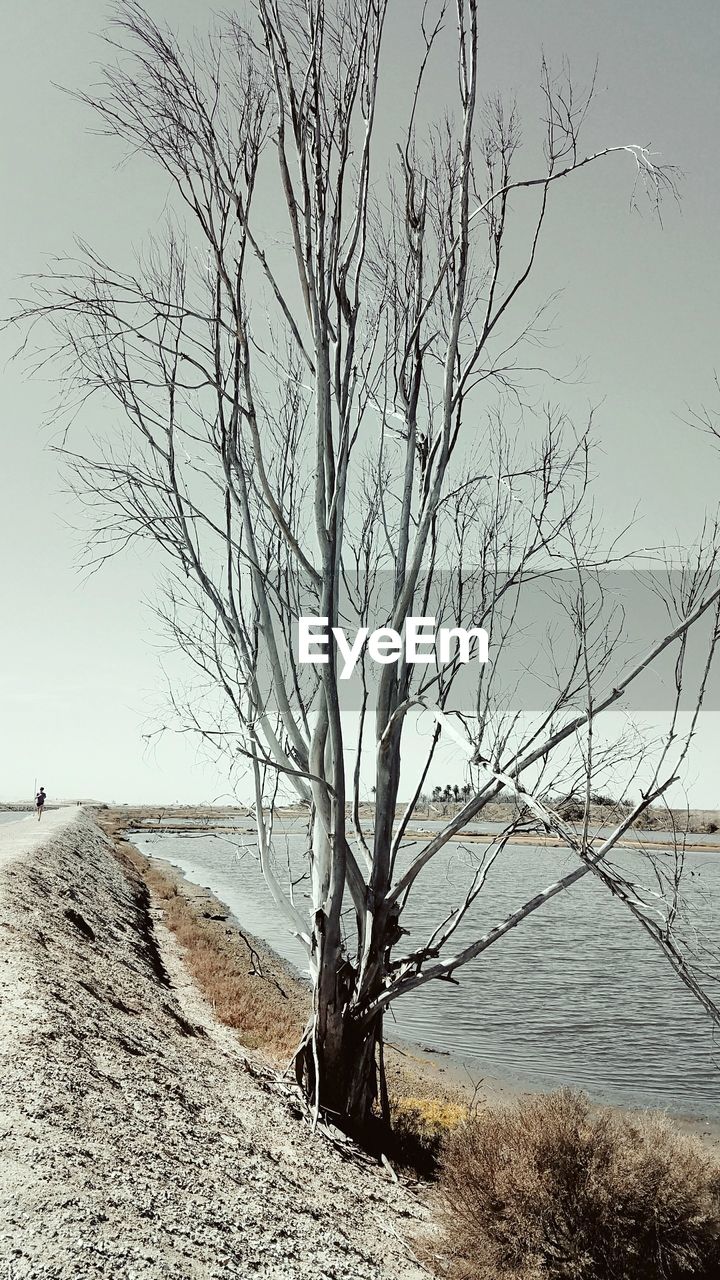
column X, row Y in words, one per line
column 138, row 1140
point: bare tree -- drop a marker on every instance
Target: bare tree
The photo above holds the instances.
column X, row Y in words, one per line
column 308, row 368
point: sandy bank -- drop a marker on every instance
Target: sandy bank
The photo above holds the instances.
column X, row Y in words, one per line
column 138, row 1139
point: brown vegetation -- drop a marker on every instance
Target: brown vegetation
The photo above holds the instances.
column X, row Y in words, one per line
column 249, row 989
column 551, row 1187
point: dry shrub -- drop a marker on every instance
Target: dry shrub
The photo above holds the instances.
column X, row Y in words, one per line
column 553, row 1189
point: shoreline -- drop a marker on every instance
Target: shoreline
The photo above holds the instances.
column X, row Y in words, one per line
column 420, row 1071
column 154, row 819
column 470, row 837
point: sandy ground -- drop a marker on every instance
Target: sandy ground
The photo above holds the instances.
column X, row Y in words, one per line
column 138, row 1140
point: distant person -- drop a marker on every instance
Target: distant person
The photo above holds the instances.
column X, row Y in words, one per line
column 40, row 801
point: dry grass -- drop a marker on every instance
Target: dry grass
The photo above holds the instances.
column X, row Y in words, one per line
column 418, row 1129
column 435, row 1116
column 552, row 1189
column 248, row 988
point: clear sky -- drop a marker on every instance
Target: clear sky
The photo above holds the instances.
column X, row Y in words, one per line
column 80, row 675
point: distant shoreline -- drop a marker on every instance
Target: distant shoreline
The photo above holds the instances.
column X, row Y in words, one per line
column 176, row 820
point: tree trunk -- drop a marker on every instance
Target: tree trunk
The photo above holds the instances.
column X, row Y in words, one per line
column 346, row 1058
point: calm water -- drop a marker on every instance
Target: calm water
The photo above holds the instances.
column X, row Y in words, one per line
column 8, row 816
column 577, row 994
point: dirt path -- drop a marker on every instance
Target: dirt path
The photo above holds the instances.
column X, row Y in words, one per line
column 138, row 1141
column 21, row 839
